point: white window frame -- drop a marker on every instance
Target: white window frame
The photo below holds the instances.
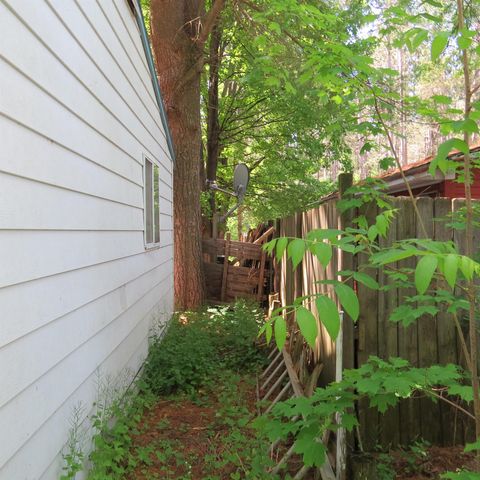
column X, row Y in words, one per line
column 154, row 225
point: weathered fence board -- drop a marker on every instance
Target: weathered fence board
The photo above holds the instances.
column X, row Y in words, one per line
column 368, row 339
column 452, row 430
column 426, row 342
column 235, row 269
column 389, row 422
column 426, row 326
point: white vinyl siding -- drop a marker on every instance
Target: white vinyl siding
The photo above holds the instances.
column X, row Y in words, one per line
column 79, row 292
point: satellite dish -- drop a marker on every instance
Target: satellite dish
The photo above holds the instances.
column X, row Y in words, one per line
column 241, row 175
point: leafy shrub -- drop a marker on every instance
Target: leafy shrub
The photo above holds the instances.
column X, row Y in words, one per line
column 113, row 425
column 198, row 344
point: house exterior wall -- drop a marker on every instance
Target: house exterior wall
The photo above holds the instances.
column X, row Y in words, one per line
column 79, row 291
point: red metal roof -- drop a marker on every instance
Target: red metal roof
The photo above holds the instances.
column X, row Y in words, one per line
column 422, row 165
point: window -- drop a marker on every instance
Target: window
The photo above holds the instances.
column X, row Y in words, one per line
column 152, row 208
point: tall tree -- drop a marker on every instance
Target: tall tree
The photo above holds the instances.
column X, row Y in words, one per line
column 179, row 30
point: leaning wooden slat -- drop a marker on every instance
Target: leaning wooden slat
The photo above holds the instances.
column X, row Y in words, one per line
column 275, row 385
column 283, row 460
column 272, row 364
column 279, row 396
column 264, row 236
column 272, row 353
column 297, row 387
column 270, row 377
column 301, row 473
column 326, row 470
column 277, row 442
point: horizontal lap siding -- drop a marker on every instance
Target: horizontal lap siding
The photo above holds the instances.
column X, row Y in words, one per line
column 78, row 291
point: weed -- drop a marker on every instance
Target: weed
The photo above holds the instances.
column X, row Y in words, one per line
column 385, row 470
column 73, row 457
column 199, row 344
column 114, row 425
column 215, row 346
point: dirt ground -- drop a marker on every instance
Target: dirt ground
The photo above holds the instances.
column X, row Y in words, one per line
column 190, row 439
column 430, row 463
column 184, row 438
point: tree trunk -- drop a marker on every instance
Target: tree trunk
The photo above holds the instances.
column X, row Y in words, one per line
column 213, row 125
column 179, row 61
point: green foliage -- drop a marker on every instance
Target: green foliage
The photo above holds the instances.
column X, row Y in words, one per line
column 308, row 325
column 200, row 349
column 385, row 469
column 197, row 344
column 113, row 425
column 328, row 314
column 424, row 272
column 384, row 383
column 73, row 457
column 348, row 299
column 462, row 475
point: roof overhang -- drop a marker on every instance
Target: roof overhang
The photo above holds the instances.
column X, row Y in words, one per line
column 153, row 73
column 417, row 180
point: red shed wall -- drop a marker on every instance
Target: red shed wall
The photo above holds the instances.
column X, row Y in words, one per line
column 453, row 189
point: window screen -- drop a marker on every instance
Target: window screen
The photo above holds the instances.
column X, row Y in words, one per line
column 152, row 208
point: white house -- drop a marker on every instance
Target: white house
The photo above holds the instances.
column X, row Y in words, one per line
column 85, row 216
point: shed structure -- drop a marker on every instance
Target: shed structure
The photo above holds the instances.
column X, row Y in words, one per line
column 424, row 184
column 86, row 239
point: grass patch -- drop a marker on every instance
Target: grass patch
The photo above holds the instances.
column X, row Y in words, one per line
column 191, row 415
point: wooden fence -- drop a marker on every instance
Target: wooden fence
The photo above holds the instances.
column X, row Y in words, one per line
column 431, row 340
column 235, row 270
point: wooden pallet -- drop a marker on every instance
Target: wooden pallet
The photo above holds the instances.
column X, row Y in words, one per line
column 279, row 381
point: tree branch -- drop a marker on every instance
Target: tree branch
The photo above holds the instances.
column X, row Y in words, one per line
column 210, row 21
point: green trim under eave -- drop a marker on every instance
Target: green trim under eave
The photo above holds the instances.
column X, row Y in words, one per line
column 153, row 74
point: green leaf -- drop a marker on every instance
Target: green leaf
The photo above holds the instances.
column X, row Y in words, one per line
column 439, row 44
column 269, row 246
column 464, row 42
column 450, row 268
column 308, row 325
column 443, row 151
column 465, row 392
column 382, row 225
column 310, row 447
column 280, row 332
column 424, row 272
column 348, row 299
column 392, row 255
column 418, row 39
column 366, row 280
column 280, row 247
column 268, row 332
column 443, row 99
column 467, row 266
column 323, row 251
column 372, row 233
column 328, row 314
column 470, row 447
column 295, row 250
column 383, row 401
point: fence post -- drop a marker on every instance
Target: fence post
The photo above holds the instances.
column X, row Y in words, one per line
column 345, row 342
column 346, row 262
column 225, row 268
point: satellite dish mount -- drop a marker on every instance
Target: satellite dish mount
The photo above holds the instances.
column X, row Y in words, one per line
column 241, row 176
